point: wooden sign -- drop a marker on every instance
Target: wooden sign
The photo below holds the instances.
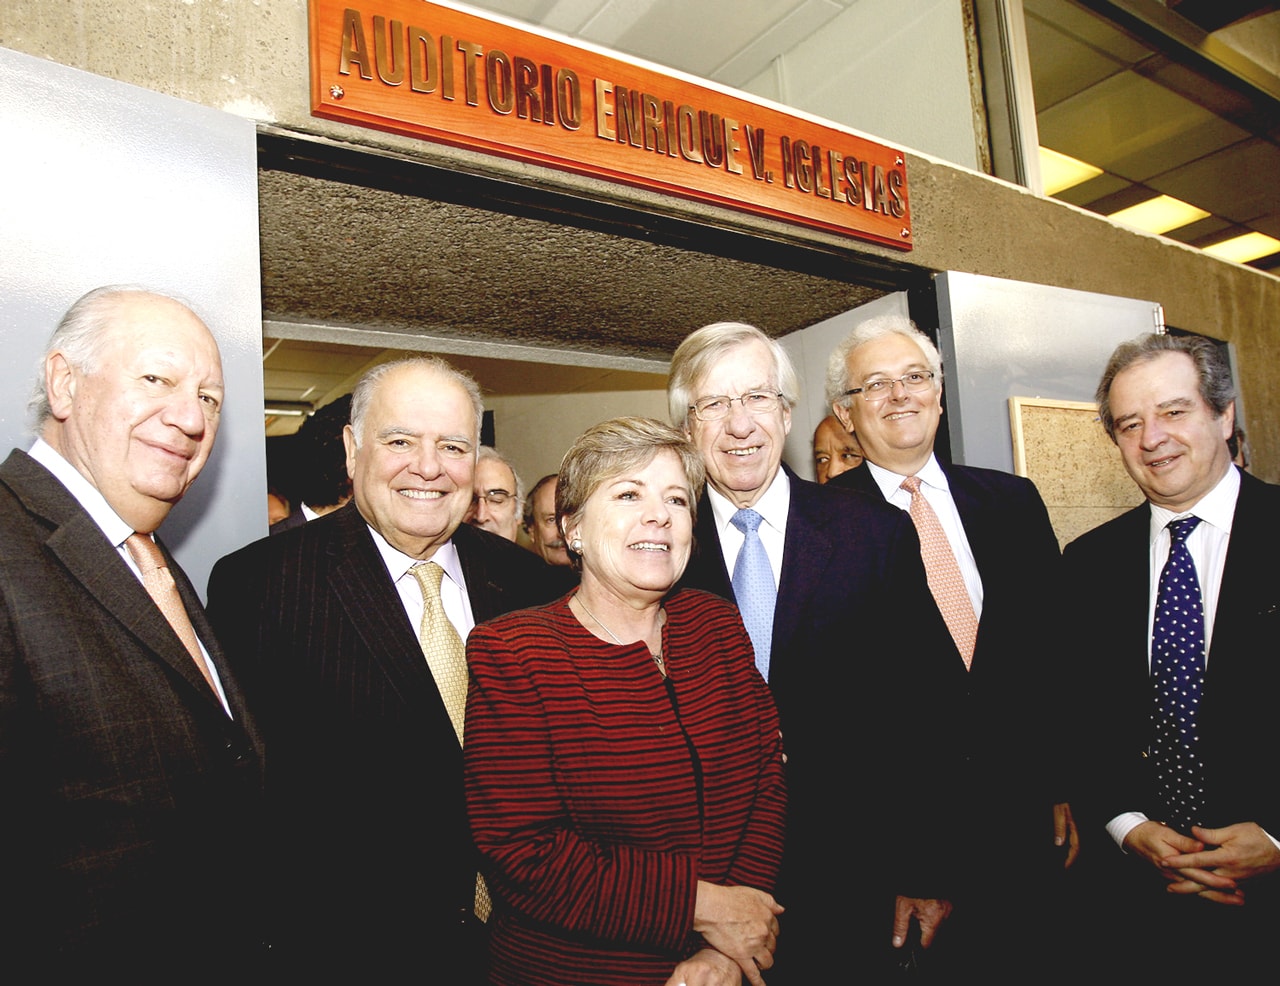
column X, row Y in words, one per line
column 446, row 74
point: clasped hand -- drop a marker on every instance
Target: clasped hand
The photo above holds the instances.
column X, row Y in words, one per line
column 1210, row 863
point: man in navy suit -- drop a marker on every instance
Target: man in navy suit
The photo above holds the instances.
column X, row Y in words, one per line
column 990, row 701
column 130, row 765
column 1190, row 883
column 843, row 578
column 376, row 868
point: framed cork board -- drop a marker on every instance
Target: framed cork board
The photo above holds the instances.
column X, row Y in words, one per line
column 1061, row 447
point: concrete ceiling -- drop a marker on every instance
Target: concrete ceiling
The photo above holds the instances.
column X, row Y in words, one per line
column 375, row 260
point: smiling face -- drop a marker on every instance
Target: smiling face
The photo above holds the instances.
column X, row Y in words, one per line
column 896, row 433
column 140, row 427
column 835, row 451
column 544, row 534
column 412, row 473
column 1173, row 445
column 636, row 531
column 495, row 476
column 742, row 450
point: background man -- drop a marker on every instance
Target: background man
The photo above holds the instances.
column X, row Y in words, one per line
column 352, row 627
column 321, row 484
column 828, row 583
column 128, row 760
column 1186, row 792
column 988, row 700
column 835, row 450
column 540, row 522
column 499, row 498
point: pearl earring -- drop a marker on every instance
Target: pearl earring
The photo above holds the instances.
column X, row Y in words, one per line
column 576, row 546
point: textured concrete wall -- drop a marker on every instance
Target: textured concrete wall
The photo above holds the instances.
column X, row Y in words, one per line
column 250, row 57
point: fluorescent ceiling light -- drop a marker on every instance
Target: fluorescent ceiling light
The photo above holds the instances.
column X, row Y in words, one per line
column 1159, row 215
column 1244, row 248
column 1059, row 172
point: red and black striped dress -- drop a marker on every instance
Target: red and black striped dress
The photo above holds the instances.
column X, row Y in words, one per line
column 600, row 793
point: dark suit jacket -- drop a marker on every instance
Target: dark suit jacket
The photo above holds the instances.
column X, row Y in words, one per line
column 1239, row 725
column 377, row 867
column 846, row 640
column 296, row 518
column 131, row 800
column 1109, row 573
column 1001, row 716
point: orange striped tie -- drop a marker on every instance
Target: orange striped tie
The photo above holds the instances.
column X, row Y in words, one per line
column 945, row 581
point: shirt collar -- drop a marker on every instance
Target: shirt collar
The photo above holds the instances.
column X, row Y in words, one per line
column 398, row 563
column 86, row 494
column 772, row 505
column 1216, row 508
column 930, row 474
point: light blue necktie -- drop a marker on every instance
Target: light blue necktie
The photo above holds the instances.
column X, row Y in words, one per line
column 753, row 587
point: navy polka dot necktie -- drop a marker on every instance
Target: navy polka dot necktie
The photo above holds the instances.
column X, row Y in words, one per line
column 753, row 587
column 1177, row 678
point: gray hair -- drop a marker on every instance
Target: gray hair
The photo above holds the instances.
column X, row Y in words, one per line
column 362, row 395
column 489, row 453
column 614, row 448
column 869, row 331
column 699, row 351
column 1212, row 370
column 81, row 338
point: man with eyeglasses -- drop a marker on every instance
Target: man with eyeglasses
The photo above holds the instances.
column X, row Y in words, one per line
column 499, row 496
column 827, row 582
column 993, row 561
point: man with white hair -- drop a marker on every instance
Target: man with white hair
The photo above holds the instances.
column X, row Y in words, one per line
column 993, row 565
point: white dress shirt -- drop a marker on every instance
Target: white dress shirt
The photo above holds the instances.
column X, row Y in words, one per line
column 453, row 588
column 115, row 530
column 937, row 491
column 1207, row 545
column 772, row 507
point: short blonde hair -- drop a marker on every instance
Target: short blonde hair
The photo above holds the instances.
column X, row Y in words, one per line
column 613, row 448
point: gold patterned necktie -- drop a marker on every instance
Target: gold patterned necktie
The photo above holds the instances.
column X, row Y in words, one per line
column 945, row 581
column 447, row 659
column 159, row 583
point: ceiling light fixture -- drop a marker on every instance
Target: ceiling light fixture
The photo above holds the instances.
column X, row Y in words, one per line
column 1243, row 249
column 1059, row 172
column 1159, row 215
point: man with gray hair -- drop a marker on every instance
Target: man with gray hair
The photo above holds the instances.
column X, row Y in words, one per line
column 498, row 503
column 352, row 628
column 992, row 561
column 1179, row 614
column 130, row 765
column 811, row 567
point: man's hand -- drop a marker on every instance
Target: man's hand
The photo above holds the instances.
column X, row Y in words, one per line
column 1065, row 832
column 706, row 967
column 741, row 922
column 1161, row 846
column 929, row 912
column 1227, row 857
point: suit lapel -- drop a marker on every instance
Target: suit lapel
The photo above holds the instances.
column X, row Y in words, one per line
column 807, row 550
column 360, row 583
column 1244, row 595
column 79, row 545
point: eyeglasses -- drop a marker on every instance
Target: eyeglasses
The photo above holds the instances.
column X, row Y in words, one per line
column 719, row 405
column 494, row 497
column 878, row 390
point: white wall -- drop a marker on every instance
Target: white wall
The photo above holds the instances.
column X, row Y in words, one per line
column 897, row 69
column 108, row 183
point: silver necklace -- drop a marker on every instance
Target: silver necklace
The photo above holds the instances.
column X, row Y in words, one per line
column 657, row 658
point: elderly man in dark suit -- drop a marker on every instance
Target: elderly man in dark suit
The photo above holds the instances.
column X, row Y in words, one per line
column 351, row 627
column 992, row 560
column 828, row 583
column 1178, row 618
column 129, row 763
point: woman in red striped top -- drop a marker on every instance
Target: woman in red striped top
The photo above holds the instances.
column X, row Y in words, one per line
column 623, row 760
